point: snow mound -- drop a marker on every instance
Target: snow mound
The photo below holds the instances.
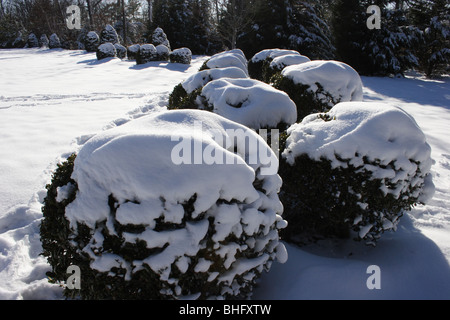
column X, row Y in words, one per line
column 284, row 61
column 367, row 132
column 201, row 78
column 336, row 78
column 231, row 58
column 272, row 54
column 204, row 215
column 250, row 102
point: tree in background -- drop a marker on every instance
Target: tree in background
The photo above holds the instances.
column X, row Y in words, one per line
column 234, row 18
column 187, row 23
column 432, row 18
column 307, row 30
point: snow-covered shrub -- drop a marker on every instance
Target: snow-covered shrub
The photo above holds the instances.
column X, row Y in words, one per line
column 54, row 41
column 162, row 52
column 146, row 53
column 32, row 41
column 181, row 55
column 281, row 62
column 43, row 41
column 353, row 171
column 231, row 58
column 140, row 224
column 317, row 86
column 106, row 50
column 109, row 35
column 185, row 94
column 133, row 51
column 159, row 37
column 19, row 41
column 262, row 60
column 252, row 103
column 91, row 41
column 120, row 50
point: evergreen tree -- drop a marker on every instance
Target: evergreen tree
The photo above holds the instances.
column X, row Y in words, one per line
column 391, row 49
column 432, row 18
column 349, row 32
column 308, row 32
column 268, row 29
column 185, row 22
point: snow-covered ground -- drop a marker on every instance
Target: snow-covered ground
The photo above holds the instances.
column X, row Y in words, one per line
column 52, row 101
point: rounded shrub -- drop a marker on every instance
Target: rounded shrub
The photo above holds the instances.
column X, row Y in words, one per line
column 353, row 172
column 141, row 221
column 279, row 63
column 160, row 38
column 106, row 50
column 317, row 86
column 54, row 41
column 32, row 41
column 162, row 52
column 43, row 41
column 109, row 35
column 146, row 53
column 133, row 51
column 184, row 95
column 181, row 55
column 259, row 63
column 231, row 58
column 120, row 50
column 91, row 41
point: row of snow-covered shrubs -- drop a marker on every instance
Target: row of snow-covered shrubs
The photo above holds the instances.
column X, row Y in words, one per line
column 108, row 46
column 143, row 218
column 349, row 168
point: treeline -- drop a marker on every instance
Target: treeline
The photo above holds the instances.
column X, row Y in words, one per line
column 413, row 34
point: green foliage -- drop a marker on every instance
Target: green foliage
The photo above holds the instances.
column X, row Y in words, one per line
column 306, row 100
column 54, row 229
column 180, row 99
column 322, row 201
column 255, row 69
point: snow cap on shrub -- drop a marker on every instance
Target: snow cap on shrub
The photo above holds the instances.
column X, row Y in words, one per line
column 373, row 163
column 272, row 54
column 281, row 62
column 338, row 79
column 259, row 63
column 231, row 58
column 250, row 102
column 204, row 231
column 200, row 79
